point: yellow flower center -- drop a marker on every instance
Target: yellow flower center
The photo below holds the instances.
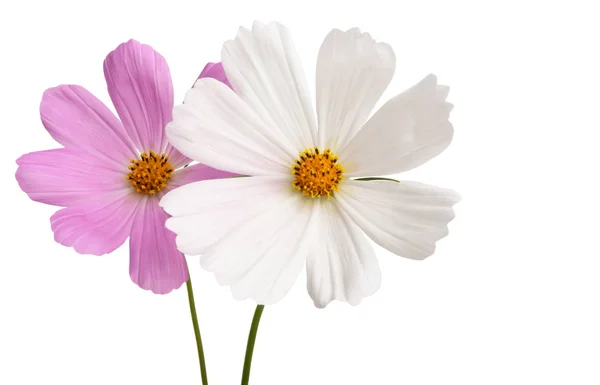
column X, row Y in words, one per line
column 149, row 174
column 317, row 173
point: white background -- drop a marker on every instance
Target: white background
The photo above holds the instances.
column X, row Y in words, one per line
column 512, row 296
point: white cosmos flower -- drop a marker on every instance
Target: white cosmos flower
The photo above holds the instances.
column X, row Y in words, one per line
column 302, row 204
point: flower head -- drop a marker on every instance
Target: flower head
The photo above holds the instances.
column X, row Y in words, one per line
column 303, row 204
column 111, row 173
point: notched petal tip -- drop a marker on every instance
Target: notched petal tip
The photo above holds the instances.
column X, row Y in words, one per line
column 131, row 41
column 442, row 92
column 356, row 34
column 22, row 159
column 128, row 44
column 428, row 81
column 354, row 31
column 83, row 248
column 49, row 92
column 257, row 27
column 241, row 32
column 454, row 197
column 160, row 290
column 60, row 91
column 352, row 302
column 256, row 24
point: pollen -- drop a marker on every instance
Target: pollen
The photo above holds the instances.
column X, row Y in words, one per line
column 317, row 173
column 150, row 173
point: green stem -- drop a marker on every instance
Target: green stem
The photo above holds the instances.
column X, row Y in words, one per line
column 190, row 292
column 250, row 346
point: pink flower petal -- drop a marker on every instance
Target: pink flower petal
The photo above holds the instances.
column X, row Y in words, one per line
column 196, row 173
column 139, row 84
column 155, row 263
column 211, row 70
column 98, row 226
column 65, row 176
column 77, row 119
column 176, row 158
column 215, row 71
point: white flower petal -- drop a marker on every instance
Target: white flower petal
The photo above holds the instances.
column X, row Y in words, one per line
column 407, row 218
column 264, row 69
column 406, row 132
column 215, row 127
column 352, row 72
column 342, row 264
column 203, row 212
column 262, row 257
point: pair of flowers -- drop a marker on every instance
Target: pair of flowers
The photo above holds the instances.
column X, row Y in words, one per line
column 275, row 188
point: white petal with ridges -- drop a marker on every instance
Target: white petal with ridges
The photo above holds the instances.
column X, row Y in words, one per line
column 262, row 257
column 215, row 127
column 203, row 212
column 264, row 69
column 407, row 218
column 342, row 264
column 352, row 72
column 404, row 133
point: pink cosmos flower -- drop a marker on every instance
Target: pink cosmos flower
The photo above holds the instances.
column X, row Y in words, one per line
column 111, row 173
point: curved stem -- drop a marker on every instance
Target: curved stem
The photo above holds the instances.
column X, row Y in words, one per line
column 190, row 292
column 250, row 346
